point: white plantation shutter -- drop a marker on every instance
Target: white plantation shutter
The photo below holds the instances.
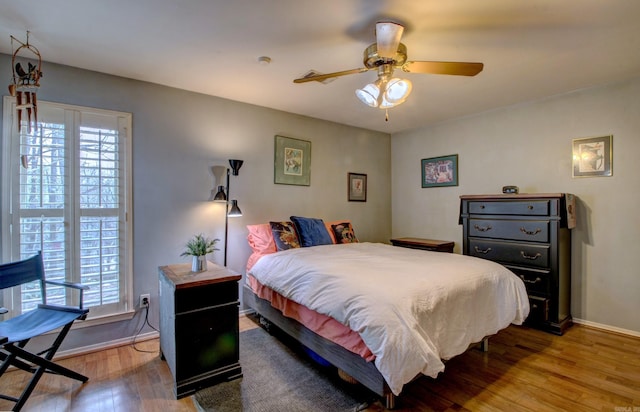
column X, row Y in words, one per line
column 71, row 202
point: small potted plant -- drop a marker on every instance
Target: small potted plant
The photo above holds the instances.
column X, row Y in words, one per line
column 199, row 247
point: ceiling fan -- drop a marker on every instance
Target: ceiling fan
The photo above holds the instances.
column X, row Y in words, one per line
column 385, row 55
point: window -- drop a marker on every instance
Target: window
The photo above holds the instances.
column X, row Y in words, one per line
column 66, row 191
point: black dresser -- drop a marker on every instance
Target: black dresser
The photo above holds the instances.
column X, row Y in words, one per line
column 529, row 234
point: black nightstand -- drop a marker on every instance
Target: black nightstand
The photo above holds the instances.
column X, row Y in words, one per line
column 199, row 335
column 424, row 244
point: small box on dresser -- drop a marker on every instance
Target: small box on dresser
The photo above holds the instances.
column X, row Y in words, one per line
column 199, row 325
column 530, row 235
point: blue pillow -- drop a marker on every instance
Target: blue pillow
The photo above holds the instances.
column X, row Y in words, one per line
column 311, row 232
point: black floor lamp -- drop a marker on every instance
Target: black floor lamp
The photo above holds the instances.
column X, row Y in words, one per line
column 223, row 196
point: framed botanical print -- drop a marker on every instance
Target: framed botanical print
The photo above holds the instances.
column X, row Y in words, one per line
column 593, row 156
column 357, row 190
column 292, row 161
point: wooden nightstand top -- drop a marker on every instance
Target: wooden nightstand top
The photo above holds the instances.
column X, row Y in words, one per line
column 425, row 244
column 181, row 276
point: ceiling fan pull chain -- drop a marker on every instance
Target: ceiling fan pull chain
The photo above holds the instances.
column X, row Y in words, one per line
column 386, row 115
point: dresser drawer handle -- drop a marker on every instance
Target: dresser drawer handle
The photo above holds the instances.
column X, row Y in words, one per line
column 525, row 280
column 484, row 252
column 482, row 228
column 530, row 207
column 530, row 232
column 530, row 257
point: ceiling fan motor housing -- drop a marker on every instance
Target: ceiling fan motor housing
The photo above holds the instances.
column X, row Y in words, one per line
column 372, row 59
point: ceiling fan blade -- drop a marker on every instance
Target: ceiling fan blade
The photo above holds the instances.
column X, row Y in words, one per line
column 322, row 77
column 388, row 36
column 453, row 68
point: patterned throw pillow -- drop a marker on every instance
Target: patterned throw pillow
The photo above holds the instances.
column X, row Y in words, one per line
column 344, row 233
column 285, row 235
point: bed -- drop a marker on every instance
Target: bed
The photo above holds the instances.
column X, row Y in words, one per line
column 411, row 309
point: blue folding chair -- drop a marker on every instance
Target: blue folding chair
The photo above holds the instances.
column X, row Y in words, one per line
column 16, row 332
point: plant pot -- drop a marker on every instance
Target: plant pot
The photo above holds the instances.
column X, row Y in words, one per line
column 199, row 263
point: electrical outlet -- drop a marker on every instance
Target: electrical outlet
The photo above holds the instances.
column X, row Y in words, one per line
column 145, row 300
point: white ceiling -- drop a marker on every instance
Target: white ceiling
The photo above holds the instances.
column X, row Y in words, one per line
column 530, row 49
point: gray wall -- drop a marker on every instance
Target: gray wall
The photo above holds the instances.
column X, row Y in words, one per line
column 178, row 136
column 530, row 145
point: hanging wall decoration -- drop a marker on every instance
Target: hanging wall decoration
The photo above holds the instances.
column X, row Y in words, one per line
column 26, row 64
column 593, row 156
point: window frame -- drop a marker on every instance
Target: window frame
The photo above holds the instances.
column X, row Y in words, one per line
column 9, row 221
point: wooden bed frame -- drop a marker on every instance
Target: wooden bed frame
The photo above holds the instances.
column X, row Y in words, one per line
column 353, row 364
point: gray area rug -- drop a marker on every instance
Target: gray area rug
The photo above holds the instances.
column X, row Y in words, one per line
column 281, row 377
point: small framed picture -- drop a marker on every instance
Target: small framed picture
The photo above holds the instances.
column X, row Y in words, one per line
column 593, row 156
column 292, row 161
column 440, row 171
column 357, row 191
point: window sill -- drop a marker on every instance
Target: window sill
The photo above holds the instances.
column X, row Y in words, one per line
column 101, row 320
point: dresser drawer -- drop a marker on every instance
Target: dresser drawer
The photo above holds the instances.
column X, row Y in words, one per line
column 523, row 207
column 196, row 298
column 524, row 254
column 528, row 230
column 209, row 339
column 536, row 281
column 538, row 310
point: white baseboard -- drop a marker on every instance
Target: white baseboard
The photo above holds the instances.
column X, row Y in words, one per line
column 105, row 345
column 608, row 328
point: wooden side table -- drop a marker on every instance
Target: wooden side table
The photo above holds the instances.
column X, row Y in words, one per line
column 424, row 244
column 199, row 335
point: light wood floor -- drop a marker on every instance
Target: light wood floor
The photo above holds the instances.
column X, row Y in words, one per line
column 525, row 369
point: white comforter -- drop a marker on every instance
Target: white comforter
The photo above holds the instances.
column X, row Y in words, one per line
column 412, row 308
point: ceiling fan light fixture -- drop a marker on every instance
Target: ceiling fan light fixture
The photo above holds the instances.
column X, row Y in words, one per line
column 397, row 90
column 369, row 94
column 388, row 36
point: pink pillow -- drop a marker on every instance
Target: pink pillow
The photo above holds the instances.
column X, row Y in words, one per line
column 261, row 241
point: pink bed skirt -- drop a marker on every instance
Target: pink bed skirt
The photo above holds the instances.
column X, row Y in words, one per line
column 323, row 325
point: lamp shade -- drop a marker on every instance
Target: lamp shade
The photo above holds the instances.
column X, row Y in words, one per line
column 369, row 94
column 388, row 36
column 220, row 195
column 397, row 91
column 235, row 165
column 235, row 210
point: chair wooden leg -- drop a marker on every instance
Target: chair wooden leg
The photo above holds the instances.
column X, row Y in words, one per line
column 46, row 365
column 28, row 389
column 41, row 364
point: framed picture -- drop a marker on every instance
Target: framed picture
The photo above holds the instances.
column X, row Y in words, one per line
column 292, row 164
column 440, row 171
column 593, row 156
column 357, row 190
